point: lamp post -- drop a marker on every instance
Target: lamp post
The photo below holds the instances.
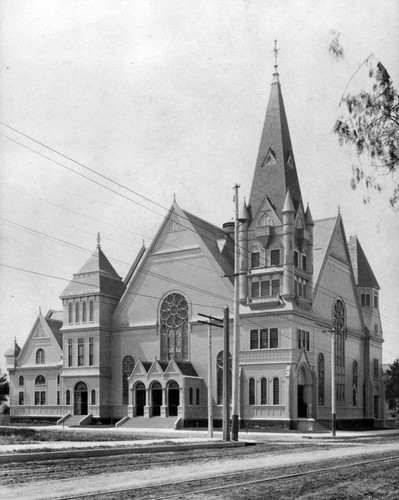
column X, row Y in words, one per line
column 333, row 389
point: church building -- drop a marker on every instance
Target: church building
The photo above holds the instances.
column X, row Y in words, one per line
column 133, row 351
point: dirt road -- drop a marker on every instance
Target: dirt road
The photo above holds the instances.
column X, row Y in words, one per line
column 102, row 479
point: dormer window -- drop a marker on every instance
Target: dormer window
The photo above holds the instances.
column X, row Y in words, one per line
column 40, row 357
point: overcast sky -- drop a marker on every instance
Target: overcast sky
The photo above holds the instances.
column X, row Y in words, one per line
column 170, row 97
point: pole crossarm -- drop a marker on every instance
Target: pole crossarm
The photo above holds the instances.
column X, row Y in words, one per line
column 210, row 317
column 210, row 323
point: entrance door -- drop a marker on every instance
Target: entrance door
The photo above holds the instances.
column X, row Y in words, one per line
column 173, row 399
column 80, row 399
column 156, row 399
column 140, row 399
column 302, row 405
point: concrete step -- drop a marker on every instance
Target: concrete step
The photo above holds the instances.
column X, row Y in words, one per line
column 153, row 422
column 319, row 427
column 73, row 420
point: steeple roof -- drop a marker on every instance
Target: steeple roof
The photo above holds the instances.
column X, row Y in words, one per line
column 364, row 275
column 96, row 276
column 275, row 170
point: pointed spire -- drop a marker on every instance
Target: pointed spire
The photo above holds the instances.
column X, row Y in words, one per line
column 308, row 216
column 275, row 169
column 98, row 241
column 244, row 215
column 288, row 205
column 275, row 74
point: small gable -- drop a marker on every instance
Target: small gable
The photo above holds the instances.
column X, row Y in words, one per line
column 339, row 249
column 270, row 158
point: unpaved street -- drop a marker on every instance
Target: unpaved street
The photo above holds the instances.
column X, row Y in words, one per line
column 162, row 470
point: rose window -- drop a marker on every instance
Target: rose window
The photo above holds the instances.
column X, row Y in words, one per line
column 174, row 327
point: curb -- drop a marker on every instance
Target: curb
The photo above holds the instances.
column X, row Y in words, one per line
column 104, row 452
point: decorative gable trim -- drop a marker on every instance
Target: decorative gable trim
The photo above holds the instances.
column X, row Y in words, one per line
column 270, row 158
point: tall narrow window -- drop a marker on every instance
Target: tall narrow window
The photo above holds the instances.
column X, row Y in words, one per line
column 255, row 289
column 40, row 359
column 354, row 383
column 219, row 377
column 273, row 338
column 275, row 288
column 321, row 376
column 127, row 368
column 68, row 398
column 251, row 384
column 58, row 398
column 304, row 263
column 21, row 398
column 255, row 259
column 197, row 396
column 263, row 391
column 84, row 312
column 91, row 311
column 40, row 390
column 275, row 257
column 339, row 322
column 70, row 316
column 70, row 360
column 265, row 288
column 375, row 300
column 376, row 370
column 174, row 327
column 91, row 352
column 81, row 352
column 276, row 391
column 21, row 380
column 77, row 313
column 93, row 397
column 264, row 338
column 254, row 339
column 190, row 398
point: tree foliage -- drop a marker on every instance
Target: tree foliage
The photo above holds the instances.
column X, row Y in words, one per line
column 4, row 389
column 391, row 381
column 371, row 125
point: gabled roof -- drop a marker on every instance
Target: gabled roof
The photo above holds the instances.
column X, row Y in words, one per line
column 210, row 236
column 364, row 275
column 96, row 276
column 322, row 233
column 275, row 170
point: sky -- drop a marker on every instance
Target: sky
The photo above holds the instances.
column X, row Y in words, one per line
column 169, row 98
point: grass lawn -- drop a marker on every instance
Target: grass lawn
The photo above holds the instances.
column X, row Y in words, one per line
column 14, row 435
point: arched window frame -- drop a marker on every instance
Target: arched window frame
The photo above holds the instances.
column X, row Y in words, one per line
column 173, row 314
column 91, row 311
column 276, row 391
column 263, row 391
column 40, row 357
column 70, row 313
column 355, row 381
column 93, row 397
column 339, row 325
column 40, row 390
column 21, row 381
column 321, row 379
column 77, row 313
column 251, row 392
column 127, row 369
column 84, row 312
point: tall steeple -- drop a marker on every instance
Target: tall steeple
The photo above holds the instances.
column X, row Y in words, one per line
column 275, row 170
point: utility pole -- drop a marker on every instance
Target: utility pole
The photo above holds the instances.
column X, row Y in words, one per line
column 226, row 388
column 333, row 389
column 219, row 324
column 236, row 345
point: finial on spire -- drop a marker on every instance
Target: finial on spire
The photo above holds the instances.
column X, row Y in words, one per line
column 339, row 209
column 174, row 196
column 276, row 51
column 98, row 240
column 40, row 310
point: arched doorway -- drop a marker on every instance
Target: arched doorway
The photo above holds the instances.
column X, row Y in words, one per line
column 140, row 399
column 173, row 399
column 80, row 399
column 156, row 399
column 303, row 393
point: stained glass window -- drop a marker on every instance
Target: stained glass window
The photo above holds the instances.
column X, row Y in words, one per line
column 127, row 368
column 321, row 377
column 174, row 327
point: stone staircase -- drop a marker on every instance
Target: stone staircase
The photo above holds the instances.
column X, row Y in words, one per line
column 319, row 427
column 153, row 422
column 74, row 420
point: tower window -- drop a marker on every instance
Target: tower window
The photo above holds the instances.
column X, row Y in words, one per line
column 81, row 352
column 275, row 257
column 91, row 311
column 70, row 317
column 84, row 311
column 255, row 259
column 70, row 352
column 296, row 259
column 276, row 391
column 21, row 380
column 263, row 391
column 304, row 263
column 375, row 301
column 251, row 391
column 264, row 338
column 77, row 313
column 376, row 370
column 91, row 352
column 365, row 299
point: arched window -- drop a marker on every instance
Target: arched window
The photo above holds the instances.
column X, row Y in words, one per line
column 251, row 389
column 354, row 383
column 197, row 396
column 70, row 318
column 219, row 377
column 84, row 316
column 68, row 397
column 77, row 313
column 321, row 377
column 21, row 380
column 339, row 325
column 190, row 396
column 40, row 390
column 40, row 360
column 91, row 311
column 263, row 391
column 127, row 368
column 174, row 327
column 276, row 391
column 93, row 397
